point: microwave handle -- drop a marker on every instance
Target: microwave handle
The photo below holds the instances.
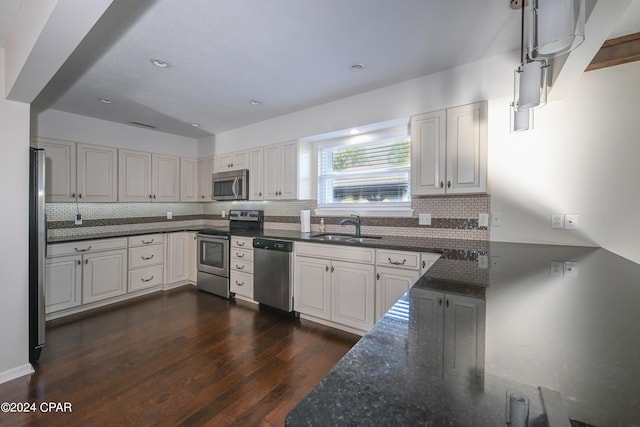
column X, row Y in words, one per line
column 233, row 187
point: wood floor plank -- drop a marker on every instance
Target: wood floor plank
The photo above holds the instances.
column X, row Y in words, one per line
column 179, row 357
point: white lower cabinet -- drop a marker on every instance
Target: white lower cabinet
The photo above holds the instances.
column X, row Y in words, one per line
column 146, row 261
column 335, row 283
column 241, row 267
column 179, row 257
column 85, row 272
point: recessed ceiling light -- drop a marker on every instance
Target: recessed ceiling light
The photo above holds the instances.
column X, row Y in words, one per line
column 195, row 125
column 357, row 67
column 255, row 102
column 105, row 101
column 160, row 63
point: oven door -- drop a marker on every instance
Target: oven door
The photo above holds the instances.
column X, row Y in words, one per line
column 213, row 254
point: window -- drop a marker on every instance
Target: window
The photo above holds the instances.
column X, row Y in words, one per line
column 365, row 172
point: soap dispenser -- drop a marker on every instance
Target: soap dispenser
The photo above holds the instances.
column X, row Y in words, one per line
column 322, row 228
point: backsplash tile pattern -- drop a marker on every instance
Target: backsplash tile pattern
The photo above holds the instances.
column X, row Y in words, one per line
column 453, row 217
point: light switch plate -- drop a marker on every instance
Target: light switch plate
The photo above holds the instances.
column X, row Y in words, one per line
column 169, row 215
column 571, row 222
column 483, row 262
column 571, row 269
column 424, row 219
column 483, row 220
column 496, row 219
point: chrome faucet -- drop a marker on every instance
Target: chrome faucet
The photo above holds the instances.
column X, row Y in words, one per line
column 357, row 222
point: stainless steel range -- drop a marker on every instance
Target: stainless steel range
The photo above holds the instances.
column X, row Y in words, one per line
column 213, row 249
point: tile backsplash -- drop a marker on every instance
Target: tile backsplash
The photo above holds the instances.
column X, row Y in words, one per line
column 453, row 217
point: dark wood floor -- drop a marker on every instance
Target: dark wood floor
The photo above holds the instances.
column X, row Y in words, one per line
column 180, row 357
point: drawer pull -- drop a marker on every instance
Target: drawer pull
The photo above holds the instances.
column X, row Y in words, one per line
column 149, row 242
column 240, row 267
column 146, row 258
column 147, row 280
column 239, row 283
column 240, row 243
column 397, row 262
column 238, row 255
column 83, row 250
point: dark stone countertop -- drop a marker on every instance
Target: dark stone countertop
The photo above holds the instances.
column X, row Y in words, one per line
column 525, row 325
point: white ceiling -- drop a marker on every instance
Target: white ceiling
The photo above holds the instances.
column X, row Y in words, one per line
column 288, row 54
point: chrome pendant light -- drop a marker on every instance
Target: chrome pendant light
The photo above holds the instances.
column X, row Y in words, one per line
column 557, row 26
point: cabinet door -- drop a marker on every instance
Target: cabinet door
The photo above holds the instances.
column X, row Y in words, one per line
column 188, row 180
column 467, row 149
column 312, row 281
column 289, row 168
column 352, row 294
column 134, row 176
column 165, row 183
column 273, row 172
column 241, row 284
column 178, row 265
column 256, row 174
column 391, row 284
column 63, row 279
column 428, row 153
column 97, row 173
column 104, row 275
column 204, row 180
column 426, row 311
column 60, row 170
column 464, row 319
column 232, row 161
column 427, row 259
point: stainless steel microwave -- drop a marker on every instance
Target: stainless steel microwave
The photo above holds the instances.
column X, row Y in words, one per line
column 232, row 185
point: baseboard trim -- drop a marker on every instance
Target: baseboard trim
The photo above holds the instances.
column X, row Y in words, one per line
column 17, row 372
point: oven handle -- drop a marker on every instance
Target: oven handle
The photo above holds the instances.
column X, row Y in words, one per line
column 212, row 236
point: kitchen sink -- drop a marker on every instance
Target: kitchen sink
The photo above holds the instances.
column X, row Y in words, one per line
column 336, row 237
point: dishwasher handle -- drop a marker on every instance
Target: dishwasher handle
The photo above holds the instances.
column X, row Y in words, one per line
column 273, row 245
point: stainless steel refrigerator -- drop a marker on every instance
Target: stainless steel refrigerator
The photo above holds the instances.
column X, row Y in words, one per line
column 37, row 253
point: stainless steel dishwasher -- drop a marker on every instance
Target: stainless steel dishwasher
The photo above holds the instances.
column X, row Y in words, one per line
column 272, row 273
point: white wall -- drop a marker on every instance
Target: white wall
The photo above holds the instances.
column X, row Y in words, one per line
column 14, row 244
column 73, row 127
column 582, row 157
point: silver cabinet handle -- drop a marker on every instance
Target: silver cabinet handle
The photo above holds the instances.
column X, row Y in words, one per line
column 240, row 267
column 83, row 250
column 147, row 280
column 239, row 255
column 240, row 243
column 149, row 242
column 146, row 258
column 397, row 262
column 239, row 284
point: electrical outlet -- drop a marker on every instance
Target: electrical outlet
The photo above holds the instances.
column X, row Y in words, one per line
column 169, row 215
column 483, row 220
column 483, row 262
column 571, row 269
column 78, row 219
column 557, row 221
column 496, row 219
column 424, row 219
column 223, row 214
column 557, row 268
column 571, row 222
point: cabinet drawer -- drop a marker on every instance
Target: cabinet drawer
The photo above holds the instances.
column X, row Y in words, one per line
column 342, row 253
column 145, row 277
column 147, row 239
column 241, row 284
column 144, row 256
column 241, row 242
column 242, row 266
column 79, row 248
column 398, row 259
column 242, row 254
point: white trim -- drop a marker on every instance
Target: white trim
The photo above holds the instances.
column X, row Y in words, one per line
column 377, row 211
column 17, row 372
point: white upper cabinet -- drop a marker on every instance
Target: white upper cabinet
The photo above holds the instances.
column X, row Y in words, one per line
column 232, row 161
column 449, row 151
column 145, row 177
column 204, row 180
column 189, row 180
column 79, row 172
column 165, row 178
column 281, row 171
column 256, row 174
